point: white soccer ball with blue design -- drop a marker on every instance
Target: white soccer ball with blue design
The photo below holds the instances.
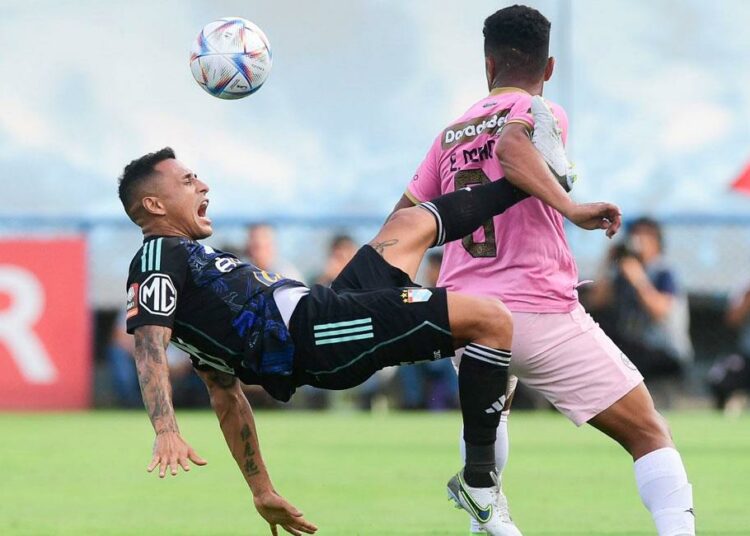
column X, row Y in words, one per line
column 231, row 58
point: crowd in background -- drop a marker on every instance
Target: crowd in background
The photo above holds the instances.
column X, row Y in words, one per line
column 637, row 297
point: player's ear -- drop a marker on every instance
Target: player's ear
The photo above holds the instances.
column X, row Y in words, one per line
column 549, row 68
column 153, row 205
column 489, row 70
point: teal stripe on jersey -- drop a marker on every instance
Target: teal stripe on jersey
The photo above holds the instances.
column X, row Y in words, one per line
column 158, row 254
column 150, row 255
column 321, row 342
column 144, row 250
column 331, row 333
column 426, row 323
column 348, row 323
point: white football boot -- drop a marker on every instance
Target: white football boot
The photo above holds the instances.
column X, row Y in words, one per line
column 547, row 138
column 487, row 506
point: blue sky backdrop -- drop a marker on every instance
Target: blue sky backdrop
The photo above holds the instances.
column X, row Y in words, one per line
column 658, row 93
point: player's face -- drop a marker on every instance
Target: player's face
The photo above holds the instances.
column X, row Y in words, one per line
column 184, row 198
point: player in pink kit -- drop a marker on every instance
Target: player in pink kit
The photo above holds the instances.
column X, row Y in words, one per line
column 523, row 258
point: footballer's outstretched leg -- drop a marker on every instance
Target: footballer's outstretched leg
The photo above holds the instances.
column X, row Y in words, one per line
column 487, row 327
column 660, row 474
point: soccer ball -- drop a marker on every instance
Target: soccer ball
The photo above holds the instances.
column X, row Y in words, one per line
column 231, row 58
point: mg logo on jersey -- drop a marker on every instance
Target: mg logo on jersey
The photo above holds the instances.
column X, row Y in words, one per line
column 157, row 295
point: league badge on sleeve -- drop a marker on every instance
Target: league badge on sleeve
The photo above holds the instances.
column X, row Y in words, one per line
column 131, row 309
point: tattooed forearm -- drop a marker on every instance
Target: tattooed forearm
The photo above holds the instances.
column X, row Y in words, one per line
column 153, row 376
column 379, row 247
column 250, row 466
column 238, row 425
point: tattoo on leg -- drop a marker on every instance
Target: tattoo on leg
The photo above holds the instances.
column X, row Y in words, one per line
column 379, row 247
column 222, row 379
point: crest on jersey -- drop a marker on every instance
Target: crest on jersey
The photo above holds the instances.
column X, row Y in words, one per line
column 416, row 295
column 267, row 278
column 157, row 295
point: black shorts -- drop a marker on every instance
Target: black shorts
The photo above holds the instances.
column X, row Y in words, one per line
column 343, row 336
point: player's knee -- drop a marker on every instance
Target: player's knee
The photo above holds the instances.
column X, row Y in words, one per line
column 649, row 433
column 497, row 322
column 416, row 221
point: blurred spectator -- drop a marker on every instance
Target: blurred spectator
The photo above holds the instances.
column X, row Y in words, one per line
column 738, row 317
column 340, row 251
column 431, row 385
column 120, row 353
column 648, row 312
column 260, row 249
column 729, row 377
column 187, row 388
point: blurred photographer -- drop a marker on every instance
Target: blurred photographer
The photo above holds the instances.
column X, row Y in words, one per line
column 648, row 311
column 729, row 377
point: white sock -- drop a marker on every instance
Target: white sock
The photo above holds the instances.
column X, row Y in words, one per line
column 666, row 492
column 502, row 449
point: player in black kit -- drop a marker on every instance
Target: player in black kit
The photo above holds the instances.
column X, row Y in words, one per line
column 239, row 322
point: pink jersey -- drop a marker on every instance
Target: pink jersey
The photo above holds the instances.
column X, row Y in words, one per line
column 521, row 256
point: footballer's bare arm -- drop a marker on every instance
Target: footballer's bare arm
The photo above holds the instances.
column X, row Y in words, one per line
column 404, row 202
column 238, row 425
column 170, row 450
column 525, row 168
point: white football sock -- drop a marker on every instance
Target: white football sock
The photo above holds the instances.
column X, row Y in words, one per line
column 666, row 492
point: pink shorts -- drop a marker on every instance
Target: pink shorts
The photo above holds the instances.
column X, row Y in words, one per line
column 569, row 359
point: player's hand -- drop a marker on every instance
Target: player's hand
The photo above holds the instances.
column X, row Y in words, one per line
column 171, row 451
column 591, row 216
column 277, row 511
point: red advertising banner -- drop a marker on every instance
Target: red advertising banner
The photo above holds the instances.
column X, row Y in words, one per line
column 742, row 183
column 45, row 344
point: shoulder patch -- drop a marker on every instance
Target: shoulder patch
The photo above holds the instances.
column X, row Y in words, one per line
column 131, row 308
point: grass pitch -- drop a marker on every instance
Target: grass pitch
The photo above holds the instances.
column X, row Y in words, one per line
column 84, row 474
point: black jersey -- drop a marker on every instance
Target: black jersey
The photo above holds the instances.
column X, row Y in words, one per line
column 220, row 309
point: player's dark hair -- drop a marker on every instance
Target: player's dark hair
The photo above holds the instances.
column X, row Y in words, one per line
column 650, row 225
column 135, row 173
column 517, row 37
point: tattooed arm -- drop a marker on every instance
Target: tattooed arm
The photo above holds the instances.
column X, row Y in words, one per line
column 170, row 450
column 238, row 425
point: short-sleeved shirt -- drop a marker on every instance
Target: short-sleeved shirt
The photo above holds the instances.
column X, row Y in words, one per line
column 520, row 256
column 221, row 310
